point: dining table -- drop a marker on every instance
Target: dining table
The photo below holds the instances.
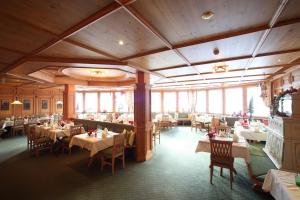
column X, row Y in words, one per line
column 281, row 185
column 252, row 132
column 54, row 132
column 94, row 142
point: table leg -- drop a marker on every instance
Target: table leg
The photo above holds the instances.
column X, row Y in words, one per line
column 91, row 159
column 257, row 185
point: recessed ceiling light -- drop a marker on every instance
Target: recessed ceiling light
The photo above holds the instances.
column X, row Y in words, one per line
column 121, row 42
column 207, row 15
column 279, row 60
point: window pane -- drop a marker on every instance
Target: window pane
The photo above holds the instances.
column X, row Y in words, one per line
column 215, row 101
column 260, row 109
column 233, row 100
column 201, row 101
column 155, row 102
column 79, row 102
column 183, row 102
column 106, row 99
column 169, row 102
column 91, row 102
column 121, row 102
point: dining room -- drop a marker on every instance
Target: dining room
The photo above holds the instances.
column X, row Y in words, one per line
column 152, row 99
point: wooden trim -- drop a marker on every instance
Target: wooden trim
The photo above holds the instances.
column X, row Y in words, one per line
column 109, row 9
column 74, row 60
column 12, row 50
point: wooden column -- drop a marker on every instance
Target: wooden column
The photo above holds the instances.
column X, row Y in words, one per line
column 223, row 102
column 69, row 102
column 142, row 117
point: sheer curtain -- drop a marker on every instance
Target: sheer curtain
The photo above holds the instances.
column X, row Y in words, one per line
column 215, row 101
column 233, row 100
column 106, row 99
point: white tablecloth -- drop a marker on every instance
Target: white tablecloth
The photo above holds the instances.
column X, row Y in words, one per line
column 92, row 143
column 281, row 185
column 239, row 149
column 251, row 133
column 53, row 134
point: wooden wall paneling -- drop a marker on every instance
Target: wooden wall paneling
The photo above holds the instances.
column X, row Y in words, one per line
column 122, row 27
column 54, row 16
column 22, row 38
column 30, row 100
column 159, row 60
column 67, row 50
column 282, row 38
column 244, row 45
column 171, row 18
column 8, row 56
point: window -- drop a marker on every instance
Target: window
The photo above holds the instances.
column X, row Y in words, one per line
column 215, row 101
column 233, row 100
column 155, row 102
column 260, row 109
column 106, row 100
column 91, row 102
column 183, row 102
column 121, row 102
column 79, row 102
column 201, row 101
column 169, row 102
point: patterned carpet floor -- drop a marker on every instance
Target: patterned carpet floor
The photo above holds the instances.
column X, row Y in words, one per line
column 174, row 172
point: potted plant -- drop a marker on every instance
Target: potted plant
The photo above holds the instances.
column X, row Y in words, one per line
column 251, row 108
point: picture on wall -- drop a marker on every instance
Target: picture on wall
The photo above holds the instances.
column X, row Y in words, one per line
column 44, row 104
column 26, row 104
column 59, row 105
column 4, row 104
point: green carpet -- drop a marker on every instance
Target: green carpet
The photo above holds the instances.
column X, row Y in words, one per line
column 174, row 172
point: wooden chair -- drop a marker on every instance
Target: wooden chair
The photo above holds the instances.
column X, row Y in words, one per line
column 214, row 123
column 18, row 126
column 39, row 142
column 156, row 133
column 65, row 141
column 221, row 156
column 109, row 155
column 27, row 133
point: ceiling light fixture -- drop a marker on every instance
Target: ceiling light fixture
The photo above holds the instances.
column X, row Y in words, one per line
column 96, row 72
column 16, row 101
column 220, row 67
column 121, row 42
column 207, row 15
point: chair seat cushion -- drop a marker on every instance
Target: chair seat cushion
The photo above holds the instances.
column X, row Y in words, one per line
column 43, row 140
column 108, row 152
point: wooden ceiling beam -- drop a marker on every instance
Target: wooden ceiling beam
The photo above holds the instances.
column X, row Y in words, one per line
column 74, row 60
column 228, row 59
column 218, row 37
column 107, row 10
column 12, row 50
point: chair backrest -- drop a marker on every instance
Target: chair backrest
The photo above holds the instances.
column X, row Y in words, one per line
column 32, row 133
column 75, row 130
column 214, row 123
column 221, row 151
column 118, row 145
column 19, row 122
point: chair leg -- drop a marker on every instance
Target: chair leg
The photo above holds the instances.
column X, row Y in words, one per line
column 113, row 166
column 102, row 163
column 231, row 177
column 123, row 160
column 159, row 139
column 211, row 173
column 221, row 171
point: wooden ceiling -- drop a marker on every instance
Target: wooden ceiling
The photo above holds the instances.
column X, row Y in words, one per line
column 167, row 38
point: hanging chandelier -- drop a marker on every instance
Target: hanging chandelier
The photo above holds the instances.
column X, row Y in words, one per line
column 220, row 67
column 16, row 101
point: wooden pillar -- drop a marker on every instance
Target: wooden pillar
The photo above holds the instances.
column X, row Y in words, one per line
column 98, row 101
column 69, row 102
column 142, row 117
